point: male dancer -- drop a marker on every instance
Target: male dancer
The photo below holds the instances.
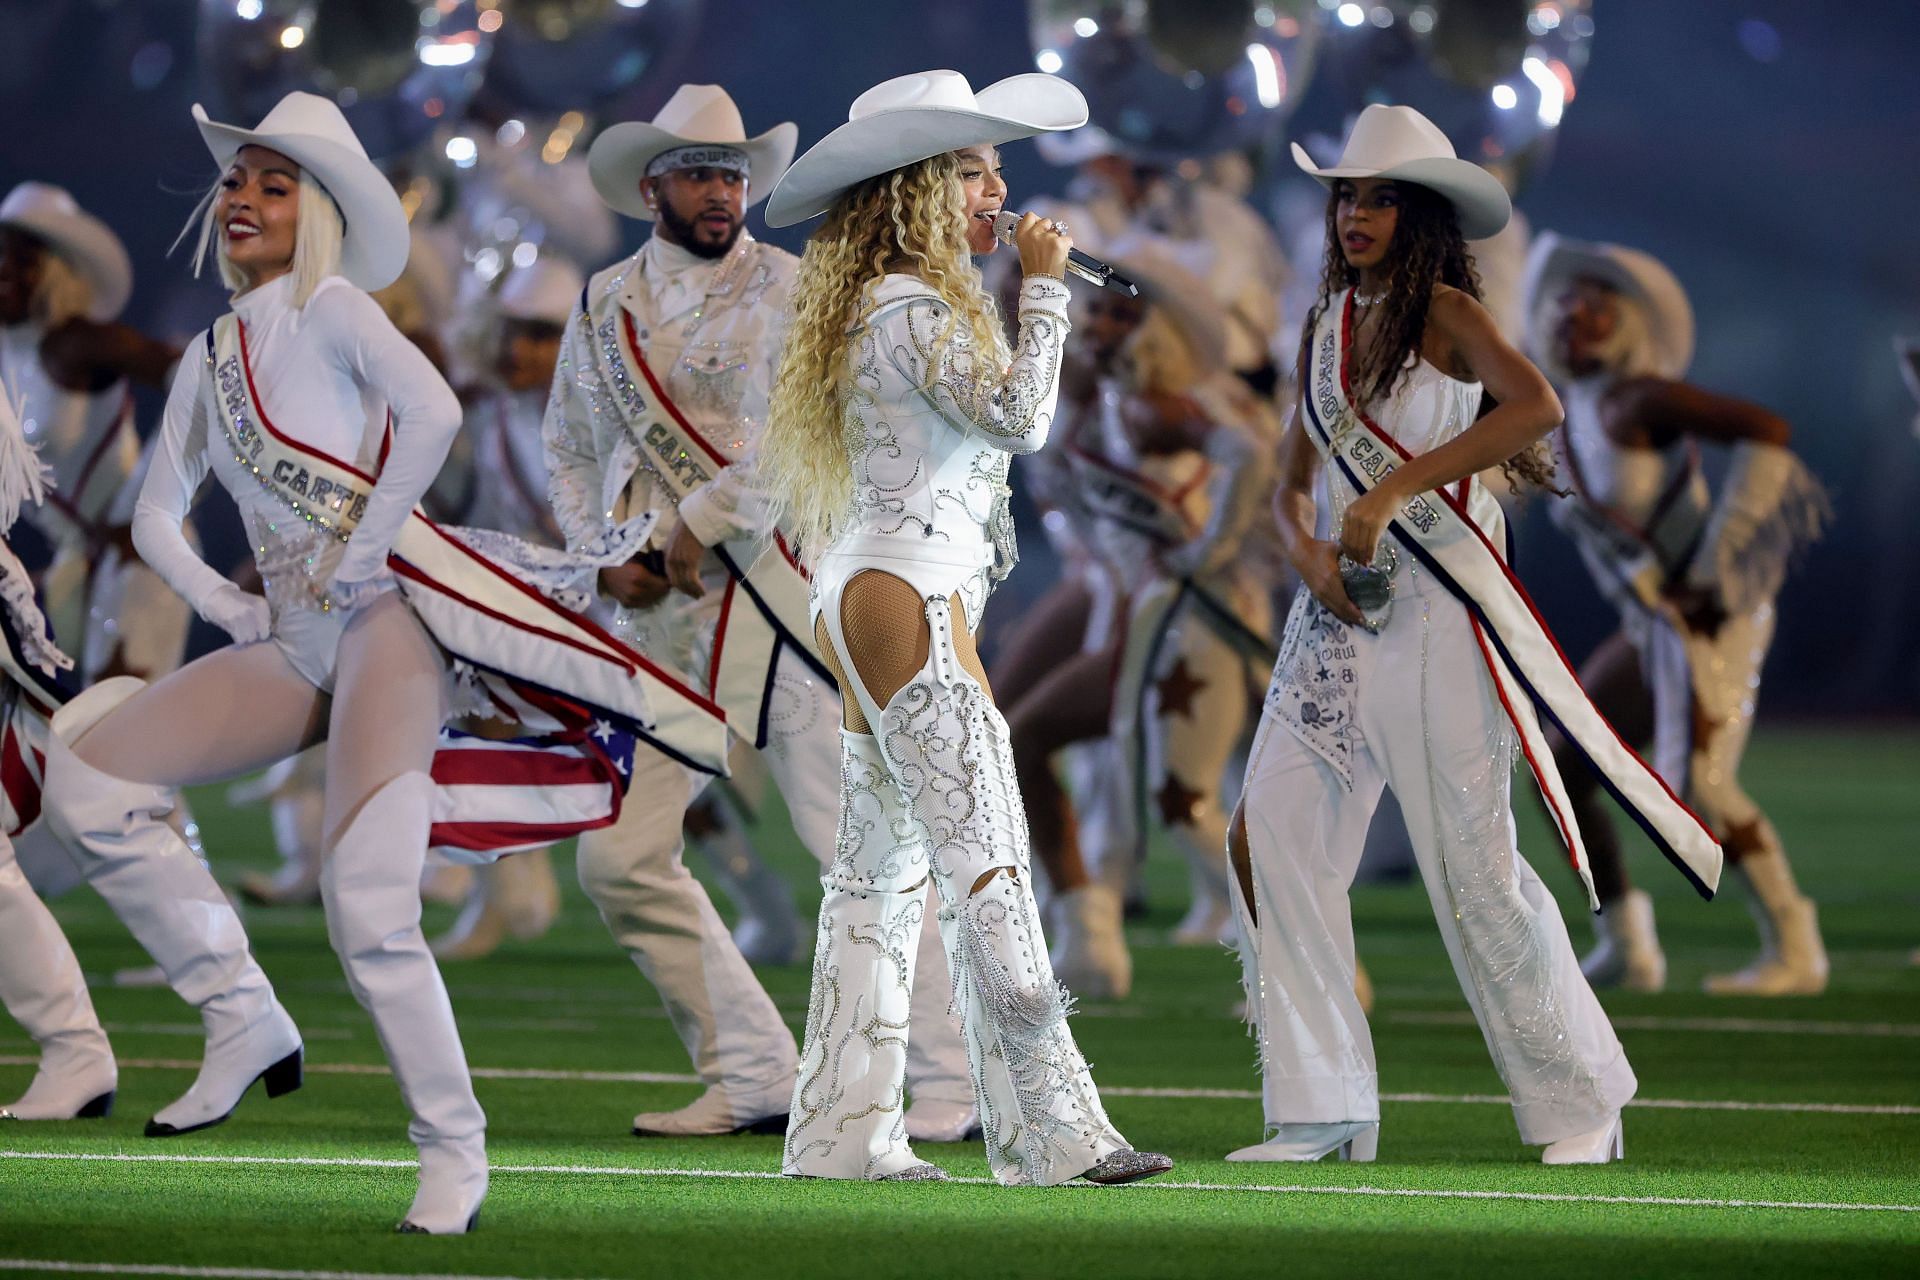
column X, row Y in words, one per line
column 660, row 393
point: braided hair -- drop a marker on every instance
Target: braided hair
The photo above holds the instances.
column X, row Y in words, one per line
column 1427, row 250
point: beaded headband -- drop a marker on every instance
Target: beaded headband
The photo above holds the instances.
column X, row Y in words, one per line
column 700, row 155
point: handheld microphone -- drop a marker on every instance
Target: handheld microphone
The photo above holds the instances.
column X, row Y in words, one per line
column 1084, row 265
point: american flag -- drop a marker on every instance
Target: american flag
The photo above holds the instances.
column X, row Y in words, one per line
column 501, row 796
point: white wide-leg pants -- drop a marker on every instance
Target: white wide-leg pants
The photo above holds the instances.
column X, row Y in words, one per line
column 1426, row 722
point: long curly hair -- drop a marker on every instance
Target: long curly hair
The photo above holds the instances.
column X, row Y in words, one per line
column 1427, row 250
column 909, row 219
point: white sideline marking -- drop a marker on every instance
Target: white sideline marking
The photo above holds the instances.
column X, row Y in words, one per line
column 1411, row 1193
column 198, row 1031
column 219, row 1273
column 1502, row 1100
column 1655, row 1022
column 1224, row 1095
column 380, row 1069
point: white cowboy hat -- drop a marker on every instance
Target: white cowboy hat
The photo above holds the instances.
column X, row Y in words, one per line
column 695, row 113
column 1401, row 144
column 1556, row 260
column 311, row 131
column 49, row 212
column 548, row 290
column 910, row 118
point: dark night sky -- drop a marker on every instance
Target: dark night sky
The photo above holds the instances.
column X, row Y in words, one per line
column 1783, row 194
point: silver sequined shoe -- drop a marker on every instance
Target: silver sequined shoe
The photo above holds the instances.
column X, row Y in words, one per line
column 1128, row 1165
column 922, row 1172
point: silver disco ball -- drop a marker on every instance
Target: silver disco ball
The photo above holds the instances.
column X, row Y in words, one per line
column 560, row 55
column 1180, row 77
column 1497, row 75
column 398, row 68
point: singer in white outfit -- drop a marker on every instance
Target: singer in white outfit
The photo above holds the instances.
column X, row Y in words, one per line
column 659, row 398
column 301, row 224
column 1400, row 695
column 897, row 412
column 1695, row 576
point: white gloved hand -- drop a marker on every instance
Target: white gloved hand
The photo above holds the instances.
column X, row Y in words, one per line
column 240, row 614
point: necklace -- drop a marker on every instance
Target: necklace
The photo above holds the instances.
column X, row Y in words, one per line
column 1362, row 300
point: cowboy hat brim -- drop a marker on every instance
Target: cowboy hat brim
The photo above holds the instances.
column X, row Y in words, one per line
column 374, row 250
column 1556, row 260
column 618, row 159
column 94, row 250
column 1018, row 107
column 1479, row 201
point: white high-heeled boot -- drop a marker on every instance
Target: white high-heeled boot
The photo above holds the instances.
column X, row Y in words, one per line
column 947, row 746
column 370, row 884
column 847, row 1119
column 1596, row 1146
column 173, row 908
column 42, row 987
column 1356, row 1140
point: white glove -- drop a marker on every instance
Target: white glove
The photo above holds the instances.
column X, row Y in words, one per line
column 240, row 614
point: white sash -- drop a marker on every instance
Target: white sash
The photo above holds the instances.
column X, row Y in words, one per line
column 764, row 607
column 526, row 647
column 1524, row 660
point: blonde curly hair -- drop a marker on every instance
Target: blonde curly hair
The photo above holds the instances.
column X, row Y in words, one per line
column 911, row 219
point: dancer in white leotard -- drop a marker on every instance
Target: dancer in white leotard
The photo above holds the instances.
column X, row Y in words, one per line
column 326, row 425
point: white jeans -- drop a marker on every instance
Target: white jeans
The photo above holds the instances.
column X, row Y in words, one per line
column 1426, row 723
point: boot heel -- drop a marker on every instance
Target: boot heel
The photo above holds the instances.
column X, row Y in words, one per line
column 1362, row 1148
column 97, row 1109
column 286, row 1075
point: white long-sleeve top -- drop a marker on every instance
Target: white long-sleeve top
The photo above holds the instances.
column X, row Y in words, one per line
column 931, row 433
column 327, row 375
column 711, row 330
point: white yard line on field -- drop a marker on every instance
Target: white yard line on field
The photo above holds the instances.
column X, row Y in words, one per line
column 1224, row 1095
column 1655, row 1022
column 621, row 1171
column 220, row 1273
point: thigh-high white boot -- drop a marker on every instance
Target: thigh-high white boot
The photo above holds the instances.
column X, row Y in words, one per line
column 42, row 987
column 948, row 748
column 370, row 883
column 848, row 1117
column 161, row 892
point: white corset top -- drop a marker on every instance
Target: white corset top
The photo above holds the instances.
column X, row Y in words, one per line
column 930, row 435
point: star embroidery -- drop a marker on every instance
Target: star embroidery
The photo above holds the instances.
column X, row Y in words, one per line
column 1177, row 688
column 603, row 730
column 1177, row 802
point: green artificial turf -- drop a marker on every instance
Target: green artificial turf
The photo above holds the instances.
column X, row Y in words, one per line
column 574, row 1196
